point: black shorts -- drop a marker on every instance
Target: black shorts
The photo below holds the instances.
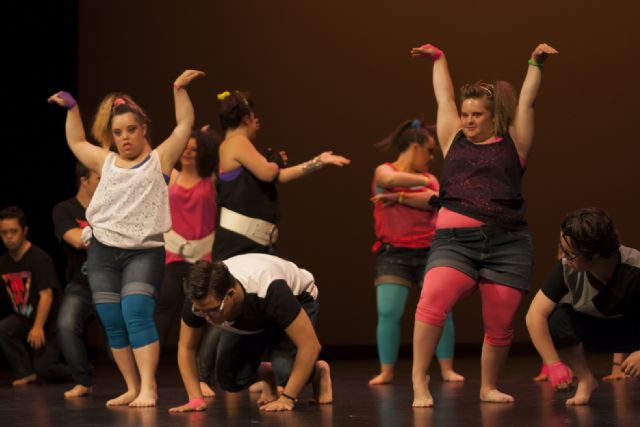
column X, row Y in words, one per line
column 400, row 266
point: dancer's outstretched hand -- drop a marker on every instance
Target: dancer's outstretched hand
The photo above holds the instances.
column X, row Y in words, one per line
column 542, row 52
column 186, row 77
column 328, row 158
column 63, row 99
column 427, row 51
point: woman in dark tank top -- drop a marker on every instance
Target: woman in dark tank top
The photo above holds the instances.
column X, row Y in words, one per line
column 481, row 240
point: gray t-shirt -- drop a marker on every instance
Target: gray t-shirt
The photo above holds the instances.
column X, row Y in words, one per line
column 620, row 297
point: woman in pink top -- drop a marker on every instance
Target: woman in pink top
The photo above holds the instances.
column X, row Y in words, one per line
column 404, row 225
column 192, row 200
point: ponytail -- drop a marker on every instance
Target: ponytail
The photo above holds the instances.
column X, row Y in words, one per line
column 408, row 132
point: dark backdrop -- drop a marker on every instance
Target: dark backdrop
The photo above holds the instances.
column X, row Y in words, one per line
column 337, row 75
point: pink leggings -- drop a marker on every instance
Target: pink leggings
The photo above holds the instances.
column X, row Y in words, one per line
column 444, row 286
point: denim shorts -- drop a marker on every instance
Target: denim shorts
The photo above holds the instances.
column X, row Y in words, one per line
column 115, row 273
column 400, row 266
column 500, row 254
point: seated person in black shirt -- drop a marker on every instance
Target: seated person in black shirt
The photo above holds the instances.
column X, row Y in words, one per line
column 589, row 302
column 262, row 303
column 28, row 280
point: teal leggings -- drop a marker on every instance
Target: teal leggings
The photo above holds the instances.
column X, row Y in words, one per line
column 391, row 299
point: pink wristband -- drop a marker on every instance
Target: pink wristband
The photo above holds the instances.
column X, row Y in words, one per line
column 559, row 373
column 437, row 53
column 195, row 403
column 176, row 86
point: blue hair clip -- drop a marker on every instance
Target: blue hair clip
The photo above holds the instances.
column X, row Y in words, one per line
column 416, row 124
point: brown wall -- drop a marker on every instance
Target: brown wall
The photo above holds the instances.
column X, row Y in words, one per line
column 337, row 75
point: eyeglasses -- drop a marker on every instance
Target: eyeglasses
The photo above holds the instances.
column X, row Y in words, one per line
column 210, row 312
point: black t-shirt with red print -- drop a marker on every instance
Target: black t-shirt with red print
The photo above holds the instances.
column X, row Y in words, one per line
column 22, row 281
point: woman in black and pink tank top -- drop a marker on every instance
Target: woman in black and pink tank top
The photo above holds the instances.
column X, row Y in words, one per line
column 481, row 240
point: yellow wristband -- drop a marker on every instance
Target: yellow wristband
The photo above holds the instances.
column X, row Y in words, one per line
column 401, row 197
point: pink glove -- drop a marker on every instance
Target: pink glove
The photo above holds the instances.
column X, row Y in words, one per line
column 559, row 373
column 436, row 54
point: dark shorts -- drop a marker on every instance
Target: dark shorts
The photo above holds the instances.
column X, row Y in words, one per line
column 400, row 266
column 499, row 254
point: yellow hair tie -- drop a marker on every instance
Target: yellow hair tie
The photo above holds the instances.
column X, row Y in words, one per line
column 223, row 95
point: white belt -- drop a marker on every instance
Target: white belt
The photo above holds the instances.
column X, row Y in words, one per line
column 190, row 250
column 258, row 230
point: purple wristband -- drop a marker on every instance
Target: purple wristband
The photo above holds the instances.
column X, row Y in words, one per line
column 67, row 99
column 195, row 403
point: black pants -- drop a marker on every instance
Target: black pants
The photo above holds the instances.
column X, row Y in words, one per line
column 599, row 335
column 169, row 304
column 239, row 356
column 46, row 363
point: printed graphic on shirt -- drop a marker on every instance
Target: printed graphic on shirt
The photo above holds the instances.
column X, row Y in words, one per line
column 18, row 286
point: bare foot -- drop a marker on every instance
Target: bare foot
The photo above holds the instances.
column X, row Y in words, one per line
column 256, row 387
column 146, row 399
column 24, row 380
column 452, row 376
column 583, row 392
column 206, row 390
column 615, row 376
column 495, row 396
column 77, row 391
column 381, row 378
column 322, row 387
column 421, row 395
column 124, row 399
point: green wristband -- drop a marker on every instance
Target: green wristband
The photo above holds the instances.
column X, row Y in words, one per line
column 533, row 62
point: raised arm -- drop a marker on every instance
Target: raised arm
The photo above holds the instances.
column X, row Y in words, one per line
column 298, row 171
column 172, row 147
column 448, row 119
column 522, row 129
column 88, row 154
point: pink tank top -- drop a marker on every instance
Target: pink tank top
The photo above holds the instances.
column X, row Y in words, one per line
column 193, row 213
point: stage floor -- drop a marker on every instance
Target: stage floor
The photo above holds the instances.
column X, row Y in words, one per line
column 355, row 403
